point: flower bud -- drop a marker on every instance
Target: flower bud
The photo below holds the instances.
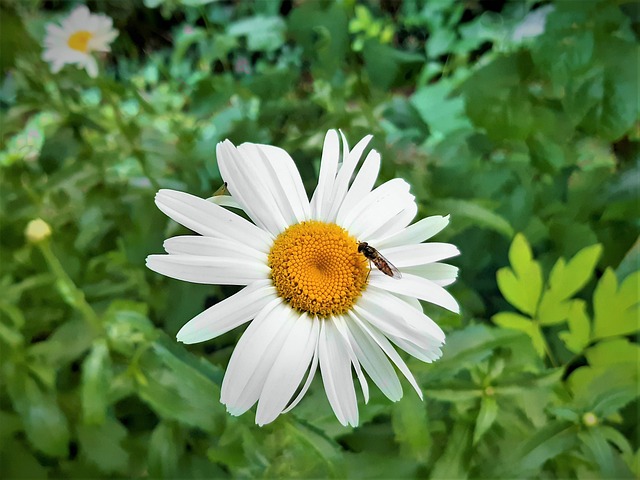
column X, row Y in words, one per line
column 37, row 231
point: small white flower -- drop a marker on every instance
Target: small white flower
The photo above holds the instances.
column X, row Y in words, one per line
column 312, row 298
column 74, row 40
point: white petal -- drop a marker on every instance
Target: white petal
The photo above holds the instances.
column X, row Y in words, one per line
column 245, row 175
column 310, row 374
column 78, row 18
column 254, row 355
column 375, row 362
column 290, row 180
column 361, row 186
column 394, row 317
column 269, row 178
column 388, row 349
column 386, row 209
column 383, row 202
column 213, row 247
column 426, row 355
column 395, row 224
column 343, row 330
column 439, row 273
column 350, row 160
column 91, row 66
column 418, row 287
column 209, row 270
column 335, row 367
column 228, row 314
column 211, row 220
column 288, row 369
column 321, row 200
column 417, row 233
column 419, row 254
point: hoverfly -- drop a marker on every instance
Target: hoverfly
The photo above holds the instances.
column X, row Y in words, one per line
column 384, row 265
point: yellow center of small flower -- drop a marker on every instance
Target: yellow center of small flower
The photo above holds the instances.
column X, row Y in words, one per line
column 80, row 41
column 317, row 268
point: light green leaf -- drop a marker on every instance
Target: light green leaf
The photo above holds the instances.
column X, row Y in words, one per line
column 577, row 338
column 486, row 416
column 521, row 284
column 565, row 280
column 616, row 309
column 613, row 351
column 523, row 324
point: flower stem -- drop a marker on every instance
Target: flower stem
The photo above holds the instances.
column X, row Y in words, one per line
column 70, row 292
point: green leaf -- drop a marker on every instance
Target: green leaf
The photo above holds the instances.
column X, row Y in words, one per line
column 44, row 423
column 486, row 416
column 411, row 427
column 521, row 284
column 523, row 324
column 597, row 449
column 478, row 214
column 264, row 33
column 440, row 109
column 468, row 347
column 165, row 448
column 102, row 445
column 180, row 387
column 613, row 351
column 453, row 463
column 565, row 280
column 96, row 378
column 550, row 441
column 616, row 309
column 577, row 338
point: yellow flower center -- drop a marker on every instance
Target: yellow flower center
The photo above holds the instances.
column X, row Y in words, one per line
column 80, row 40
column 317, row 268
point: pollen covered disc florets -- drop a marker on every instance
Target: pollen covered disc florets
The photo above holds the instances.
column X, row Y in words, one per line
column 316, row 267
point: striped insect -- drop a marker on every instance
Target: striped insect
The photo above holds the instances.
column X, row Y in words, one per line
column 384, row 265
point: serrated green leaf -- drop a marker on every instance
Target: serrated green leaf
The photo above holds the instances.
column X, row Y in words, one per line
column 102, row 445
column 521, row 284
column 577, row 338
column 613, row 351
column 616, row 309
column 486, row 416
column 568, row 279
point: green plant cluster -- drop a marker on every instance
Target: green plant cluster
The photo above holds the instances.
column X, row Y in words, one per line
column 531, row 143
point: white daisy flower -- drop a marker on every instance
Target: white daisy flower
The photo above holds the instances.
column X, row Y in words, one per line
column 78, row 35
column 312, row 296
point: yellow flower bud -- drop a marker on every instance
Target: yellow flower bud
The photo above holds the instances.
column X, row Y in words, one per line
column 37, row 231
column 590, row 419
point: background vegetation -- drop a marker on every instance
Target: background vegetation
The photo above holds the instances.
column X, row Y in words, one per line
column 530, row 143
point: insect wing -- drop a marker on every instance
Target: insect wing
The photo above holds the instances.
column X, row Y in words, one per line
column 386, row 267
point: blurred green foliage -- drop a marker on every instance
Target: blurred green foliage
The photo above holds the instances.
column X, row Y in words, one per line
column 530, row 143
